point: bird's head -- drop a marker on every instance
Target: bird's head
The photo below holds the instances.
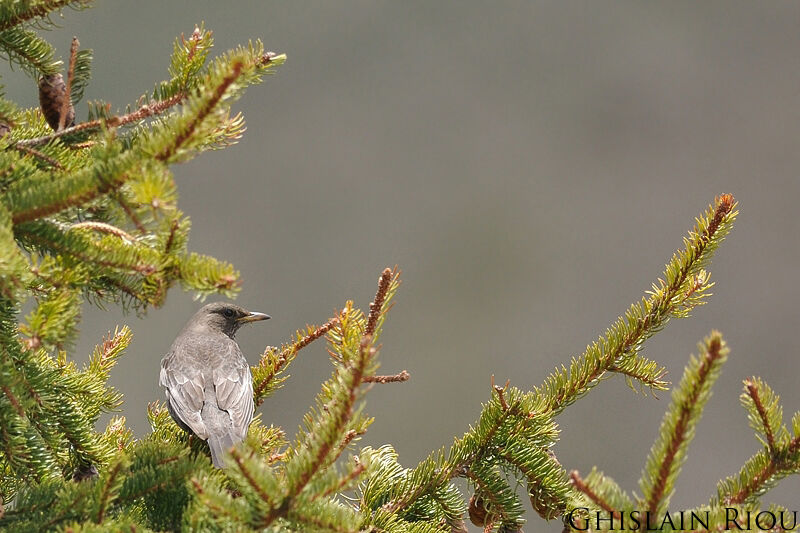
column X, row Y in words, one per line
column 225, row 317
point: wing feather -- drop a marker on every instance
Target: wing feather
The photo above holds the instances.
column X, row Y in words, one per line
column 185, row 396
column 233, row 383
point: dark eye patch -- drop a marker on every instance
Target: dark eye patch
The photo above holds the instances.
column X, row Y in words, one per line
column 228, row 313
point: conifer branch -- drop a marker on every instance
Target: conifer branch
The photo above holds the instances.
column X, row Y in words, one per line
column 752, row 390
column 582, row 487
column 677, row 429
column 250, row 479
column 12, row 15
column 40, row 155
column 49, row 237
column 376, row 306
column 66, row 103
column 208, row 106
column 344, row 482
column 307, row 462
column 452, row 470
column 672, row 297
column 126, row 207
column 646, row 372
column 105, row 492
column 104, row 228
column 762, row 471
column 392, row 378
column 68, row 192
column 143, row 112
column 26, row 49
column 272, row 364
column 755, row 484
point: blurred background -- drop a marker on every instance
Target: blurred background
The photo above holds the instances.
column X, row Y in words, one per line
column 529, row 166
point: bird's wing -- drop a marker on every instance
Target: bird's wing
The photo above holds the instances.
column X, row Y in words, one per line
column 233, row 383
column 185, row 395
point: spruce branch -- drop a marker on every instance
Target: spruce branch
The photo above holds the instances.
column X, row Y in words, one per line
column 274, row 362
column 104, row 228
column 246, row 473
column 765, row 415
column 683, row 287
column 779, row 458
column 104, row 252
column 66, row 103
column 40, row 155
column 204, row 111
column 29, row 51
column 583, row 487
column 339, row 416
column 145, row 111
column 376, row 306
column 15, row 13
column 40, row 196
column 646, row 372
column 677, row 429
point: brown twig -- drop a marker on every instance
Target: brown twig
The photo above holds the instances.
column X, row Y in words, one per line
column 581, row 486
column 287, row 353
column 145, row 111
column 376, row 306
column 103, row 228
column 67, row 101
column 501, row 392
column 109, row 344
column 39, row 155
column 393, row 378
column 81, row 146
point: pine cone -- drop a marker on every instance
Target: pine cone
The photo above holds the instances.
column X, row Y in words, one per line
column 4, row 129
column 84, row 472
column 477, row 511
column 542, row 503
column 52, row 94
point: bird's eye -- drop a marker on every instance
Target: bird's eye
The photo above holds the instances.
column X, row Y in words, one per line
column 228, row 313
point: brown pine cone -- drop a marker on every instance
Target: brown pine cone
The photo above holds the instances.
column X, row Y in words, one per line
column 52, row 95
column 477, row 511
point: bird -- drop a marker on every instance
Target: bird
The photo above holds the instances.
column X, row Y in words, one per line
column 207, row 380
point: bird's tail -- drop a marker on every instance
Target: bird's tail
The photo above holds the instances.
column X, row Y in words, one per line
column 220, row 445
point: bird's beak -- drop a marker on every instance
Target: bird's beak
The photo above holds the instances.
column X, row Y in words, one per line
column 253, row 317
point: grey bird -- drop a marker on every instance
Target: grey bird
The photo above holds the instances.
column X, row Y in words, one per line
column 208, row 382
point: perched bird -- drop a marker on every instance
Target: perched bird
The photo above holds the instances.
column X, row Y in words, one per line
column 207, row 379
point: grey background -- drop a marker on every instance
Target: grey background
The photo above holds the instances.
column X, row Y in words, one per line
column 529, row 166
